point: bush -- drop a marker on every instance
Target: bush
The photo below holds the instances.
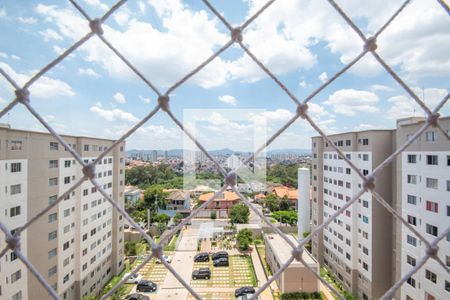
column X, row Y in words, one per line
column 301, row 296
column 244, row 238
column 213, row 215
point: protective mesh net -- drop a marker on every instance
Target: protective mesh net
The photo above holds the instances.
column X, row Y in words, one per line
column 23, row 97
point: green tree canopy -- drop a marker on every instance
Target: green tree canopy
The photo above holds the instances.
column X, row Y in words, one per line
column 239, row 214
column 244, row 238
column 285, row 216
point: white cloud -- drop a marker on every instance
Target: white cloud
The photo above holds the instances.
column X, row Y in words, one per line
column 142, row 7
column 50, row 34
column 45, row 87
column 97, row 4
column 349, row 101
column 88, row 72
column 228, row 99
column 120, row 98
column 403, row 106
column 363, row 126
column 3, row 55
column 27, row 20
column 58, row 50
column 122, row 16
column 113, row 114
column 15, row 57
column 323, row 77
column 143, row 99
column 380, row 87
column 302, row 83
column 2, row 13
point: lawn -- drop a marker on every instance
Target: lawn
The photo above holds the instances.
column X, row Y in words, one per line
column 239, row 273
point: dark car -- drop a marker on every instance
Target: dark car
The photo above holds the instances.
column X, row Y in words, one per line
column 221, row 262
column 244, row 290
column 202, row 273
column 202, row 256
column 146, row 286
column 137, row 297
column 220, row 254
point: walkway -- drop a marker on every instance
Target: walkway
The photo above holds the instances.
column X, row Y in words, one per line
column 260, row 276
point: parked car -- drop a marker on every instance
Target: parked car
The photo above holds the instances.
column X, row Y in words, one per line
column 247, row 297
column 167, row 258
column 202, row 273
column 202, row 256
column 244, row 290
column 136, row 296
column 136, row 278
column 219, row 254
column 221, row 262
column 146, row 286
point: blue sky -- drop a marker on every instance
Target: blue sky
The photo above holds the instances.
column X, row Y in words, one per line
column 304, row 42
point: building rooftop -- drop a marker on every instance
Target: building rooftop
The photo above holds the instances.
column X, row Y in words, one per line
column 225, row 196
column 282, row 250
column 177, row 195
column 284, row 191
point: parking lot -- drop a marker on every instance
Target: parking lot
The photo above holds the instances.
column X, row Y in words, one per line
column 238, row 273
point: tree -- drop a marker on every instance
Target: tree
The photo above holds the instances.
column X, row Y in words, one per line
column 213, row 215
column 162, row 218
column 130, row 248
column 308, row 246
column 177, row 218
column 154, row 198
column 244, row 238
column 239, row 214
column 284, row 204
column 272, row 202
column 139, row 215
column 89, row 297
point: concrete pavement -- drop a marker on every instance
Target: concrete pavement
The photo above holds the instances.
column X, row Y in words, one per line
column 260, row 276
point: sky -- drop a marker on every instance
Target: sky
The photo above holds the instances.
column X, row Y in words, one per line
column 93, row 93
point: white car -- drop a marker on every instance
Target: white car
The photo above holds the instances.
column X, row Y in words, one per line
column 167, row 258
column 136, row 278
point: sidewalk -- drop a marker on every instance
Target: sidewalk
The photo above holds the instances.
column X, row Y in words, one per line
column 261, row 276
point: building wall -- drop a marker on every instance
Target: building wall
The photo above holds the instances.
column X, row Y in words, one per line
column 51, row 171
column 350, row 246
column 413, row 206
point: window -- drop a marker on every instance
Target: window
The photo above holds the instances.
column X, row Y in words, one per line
column 365, row 142
column 411, row 260
column 15, row 145
column 348, row 142
column 52, row 235
column 412, row 220
column 17, row 296
column 432, row 206
column 432, row 183
column 16, row 167
column 85, row 192
column 66, row 212
column 432, row 159
column 86, row 147
column 447, row 286
column 66, row 245
column 14, row 211
column 67, row 163
column 412, row 199
column 85, row 207
column 448, row 185
column 53, row 163
column 66, row 261
column 411, row 179
column 15, row 189
column 348, row 171
column 365, row 219
column 411, row 281
column 52, row 253
column 365, row 172
column 67, row 180
column 66, row 278
column 411, row 240
column 412, row 158
column 84, row 237
column 53, row 181
column 431, row 136
column 365, row 157
column 52, row 217
column 430, row 276
column 365, row 266
column 52, row 271
column 433, row 230
column 52, row 199
column 53, row 146
column 16, row 276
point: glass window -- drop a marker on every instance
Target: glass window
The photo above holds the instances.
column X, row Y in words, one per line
column 15, row 189
column 16, row 167
column 53, row 146
column 432, row 183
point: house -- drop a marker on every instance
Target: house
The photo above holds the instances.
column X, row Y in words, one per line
column 286, row 192
column 259, row 198
column 297, row 277
column 132, row 194
column 177, row 201
column 225, row 200
column 200, row 189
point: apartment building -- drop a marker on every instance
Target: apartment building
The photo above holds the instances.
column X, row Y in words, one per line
column 357, row 246
column 77, row 246
column 423, row 193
